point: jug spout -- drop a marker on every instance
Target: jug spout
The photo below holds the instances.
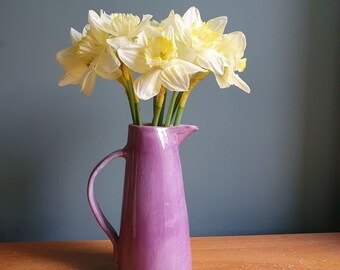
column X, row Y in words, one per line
column 183, row 131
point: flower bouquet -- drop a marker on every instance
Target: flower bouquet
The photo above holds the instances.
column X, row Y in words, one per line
column 173, row 55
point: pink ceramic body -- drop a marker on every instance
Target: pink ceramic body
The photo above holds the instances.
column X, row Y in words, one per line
column 154, row 232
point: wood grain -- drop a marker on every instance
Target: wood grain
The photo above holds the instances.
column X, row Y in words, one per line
column 299, row 251
column 293, row 251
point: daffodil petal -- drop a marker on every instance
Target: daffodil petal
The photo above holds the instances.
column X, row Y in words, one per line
column 133, row 57
column 169, row 33
column 108, row 62
column 74, row 66
column 218, row 24
column 152, row 32
column 148, row 85
column 142, row 39
column 146, row 19
column 64, row 55
column 223, row 81
column 113, row 52
column 241, row 65
column 186, row 37
column 211, row 60
column 95, row 24
column 192, row 15
column 107, row 65
column 94, row 19
column 233, row 44
column 154, row 23
column 170, row 20
column 105, row 17
column 175, row 78
column 237, row 81
column 118, row 42
column 73, row 74
column 189, row 67
column 110, row 76
column 68, row 59
column 183, row 32
column 86, row 29
column 88, row 82
column 75, row 36
column 186, row 53
column 68, row 79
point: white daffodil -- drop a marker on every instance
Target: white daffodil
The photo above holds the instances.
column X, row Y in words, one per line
column 122, row 28
column 74, row 66
column 232, row 48
column 156, row 57
column 88, row 57
column 199, row 40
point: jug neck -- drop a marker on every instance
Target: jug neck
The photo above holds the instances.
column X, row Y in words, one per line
column 166, row 136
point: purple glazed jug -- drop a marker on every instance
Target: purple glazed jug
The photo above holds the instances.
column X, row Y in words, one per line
column 154, row 231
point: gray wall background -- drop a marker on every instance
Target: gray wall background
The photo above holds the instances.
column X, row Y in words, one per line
column 261, row 163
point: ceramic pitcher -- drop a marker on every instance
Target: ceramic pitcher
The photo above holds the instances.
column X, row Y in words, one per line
column 154, row 231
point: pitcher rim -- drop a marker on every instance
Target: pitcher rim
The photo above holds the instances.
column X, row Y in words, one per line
column 149, row 126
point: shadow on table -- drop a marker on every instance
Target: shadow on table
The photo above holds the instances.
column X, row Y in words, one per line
column 63, row 255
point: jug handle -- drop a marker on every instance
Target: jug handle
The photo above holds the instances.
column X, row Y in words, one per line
column 96, row 210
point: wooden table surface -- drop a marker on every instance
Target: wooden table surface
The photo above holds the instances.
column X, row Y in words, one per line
column 291, row 251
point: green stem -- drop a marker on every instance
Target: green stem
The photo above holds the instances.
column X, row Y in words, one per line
column 154, row 104
column 171, row 108
column 131, row 101
column 138, row 114
column 179, row 116
column 132, row 109
column 156, row 115
column 176, row 104
column 159, row 105
column 160, row 120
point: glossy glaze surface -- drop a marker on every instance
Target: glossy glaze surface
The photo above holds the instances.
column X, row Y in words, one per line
column 154, row 231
